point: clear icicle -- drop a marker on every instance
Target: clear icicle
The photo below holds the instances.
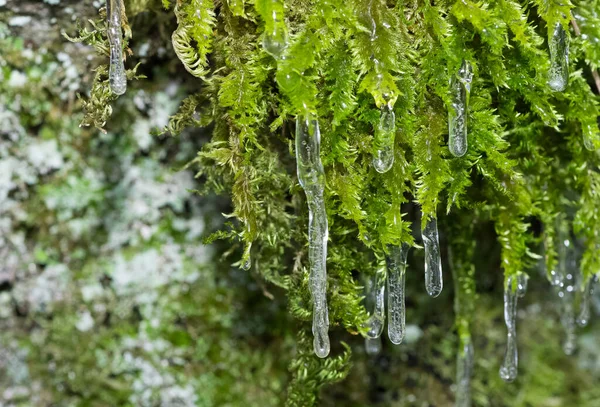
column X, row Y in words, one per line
column 522, row 280
column 508, row 370
column 559, row 59
column 567, row 314
column 464, row 371
column 116, row 74
column 383, row 154
column 275, row 38
column 460, row 87
column 396, row 264
column 584, row 308
column 433, row 261
column 312, row 179
column 375, row 303
column 373, row 346
column 557, row 277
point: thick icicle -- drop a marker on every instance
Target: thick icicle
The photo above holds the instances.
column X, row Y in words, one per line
column 116, row 74
column 396, row 264
column 508, row 370
column 433, row 261
column 383, row 151
column 559, row 59
column 275, row 37
column 460, row 87
column 375, row 303
column 584, row 308
column 312, row 179
column 464, row 371
column 373, row 346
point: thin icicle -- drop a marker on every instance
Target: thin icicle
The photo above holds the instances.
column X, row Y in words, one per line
column 584, row 308
column 508, row 370
column 312, row 179
column 559, row 59
column 396, row 264
column 464, row 372
column 375, row 303
column 567, row 313
column 275, row 38
column 373, row 346
column 460, row 87
column 116, row 74
column 522, row 279
column 433, row 261
column 383, row 152
column 557, row 276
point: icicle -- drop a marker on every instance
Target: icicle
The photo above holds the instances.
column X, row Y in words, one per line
column 508, row 370
column 460, row 86
column 562, row 235
column 375, row 303
column 590, row 133
column 464, row 371
column 373, row 346
column 584, row 311
column 396, row 265
column 567, row 316
column 522, row 279
column 275, row 38
column 116, row 73
column 433, row 261
column 312, row 179
column 559, row 59
column 383, row 154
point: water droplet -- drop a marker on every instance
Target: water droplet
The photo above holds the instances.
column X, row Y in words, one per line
column 460, row 87
column 247, row 264
column 275, row 42
column 373, row 346
column 383, row 147
column 433, row 261
column 464, row 371
column 508, row 370
column 311, row 176
column 375, row 303
column 117, row 78
column 559, row 59
column 396, row 266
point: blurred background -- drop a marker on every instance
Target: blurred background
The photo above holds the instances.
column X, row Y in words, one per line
column 108, row 296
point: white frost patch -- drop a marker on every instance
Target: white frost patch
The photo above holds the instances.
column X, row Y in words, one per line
column 85, row 321
column 17, row 79
column 19, row 21
column 45, row 156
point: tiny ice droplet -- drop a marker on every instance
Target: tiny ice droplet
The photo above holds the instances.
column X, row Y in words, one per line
column 383, row 146
column 373, row 346
column 433, row 261
column 559, row 59
column 396, row 264
column 460, row 88
column 311, row 176
column 116, row 73
column 508, row 369
column 464, row 371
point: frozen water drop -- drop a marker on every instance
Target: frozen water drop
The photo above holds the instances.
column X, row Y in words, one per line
column 508, row 369
column 559, row 59
column 311, row 176
column 460, row 87
column 433, row 261
column 464, row 371
column 396, row 264
column 247, row 264
column 383, row 148
column 373, row 346
column 116, row 74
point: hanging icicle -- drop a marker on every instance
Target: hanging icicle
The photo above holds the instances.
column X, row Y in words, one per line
column 464, row 372
column 557, row 276
column 559, row 59
column 584, row 308
column 567, row 313
column 433, row 261
column 116, row 74
column 275, row 38
column 312, row 179
column 375, row 303
column 396, row 265
column 508, row 370
column 460, row 88
column 383, row 150
column 522, row 280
